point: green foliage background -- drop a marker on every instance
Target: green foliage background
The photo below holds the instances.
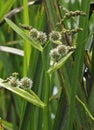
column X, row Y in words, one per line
column 72, row 107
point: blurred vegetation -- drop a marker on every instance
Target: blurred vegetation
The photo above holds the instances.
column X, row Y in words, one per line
column 62, row 96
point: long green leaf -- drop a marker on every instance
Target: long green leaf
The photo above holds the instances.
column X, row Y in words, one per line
column 23, row 35
column 30, row 97
column 85, row 107
column 60, row 63
column 79, row 58
column 7, row 125
column 6, row 7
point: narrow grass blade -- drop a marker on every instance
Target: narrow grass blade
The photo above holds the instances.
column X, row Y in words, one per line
column 12, row 50
column 52, row 11
column 61, row 110
column 27, row 46
column 60, row 63
column 6, row 7
column 85, row 107
column 7, row 125
column 24, row 94
column 23, row 35
column 78, row 64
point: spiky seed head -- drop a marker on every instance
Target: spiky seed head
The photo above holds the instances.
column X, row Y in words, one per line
column 42, row 37
column 55, row 36
column 62, row 50
column 26, row 82
column 33, row 33
column 54, row 53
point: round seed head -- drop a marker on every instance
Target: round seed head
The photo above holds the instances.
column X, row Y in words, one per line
column 62, row 50
column 54, row 53
column 42, row 37
column 55, row 36
column 33, row 33
column 26, row 82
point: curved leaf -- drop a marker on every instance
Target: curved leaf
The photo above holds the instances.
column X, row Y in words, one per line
column 7, row 125
column 24, row 35
column 12, row 50
column 60, row 63
column 29, row 96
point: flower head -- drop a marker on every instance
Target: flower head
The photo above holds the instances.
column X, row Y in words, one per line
column 42, row 37
column 54, row 53
column 26, row 82
column 62, row 50
column 55, row 36
column 33, row 33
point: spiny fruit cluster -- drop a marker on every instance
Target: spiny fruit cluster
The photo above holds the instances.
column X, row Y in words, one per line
column 53, row 36
column 56, row 37
column 70, row 14
column 60, row 51
column 38, row 35
column 14, row 81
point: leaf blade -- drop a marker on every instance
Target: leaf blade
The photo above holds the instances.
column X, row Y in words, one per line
column 60, row 63
column 7, row 6
column 24, row 94
column 23, row 35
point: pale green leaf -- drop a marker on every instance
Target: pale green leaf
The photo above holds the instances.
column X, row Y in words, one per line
column 60, row 63
column 20, row 32
column 29, row 96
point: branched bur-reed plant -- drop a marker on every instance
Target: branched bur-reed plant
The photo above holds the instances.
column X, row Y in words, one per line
column 59, row 60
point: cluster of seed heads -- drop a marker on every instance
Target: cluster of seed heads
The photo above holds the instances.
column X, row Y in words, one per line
column 72, row 14
column 37, row 35
column 54, row 36
column 14, row 81
column 75, row 13
column 72, row 31
column 42, row 36
column 59, row 52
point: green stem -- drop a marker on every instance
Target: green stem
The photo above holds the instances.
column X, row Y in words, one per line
column 45, row 122
column 27, row 51
column 27, row 47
